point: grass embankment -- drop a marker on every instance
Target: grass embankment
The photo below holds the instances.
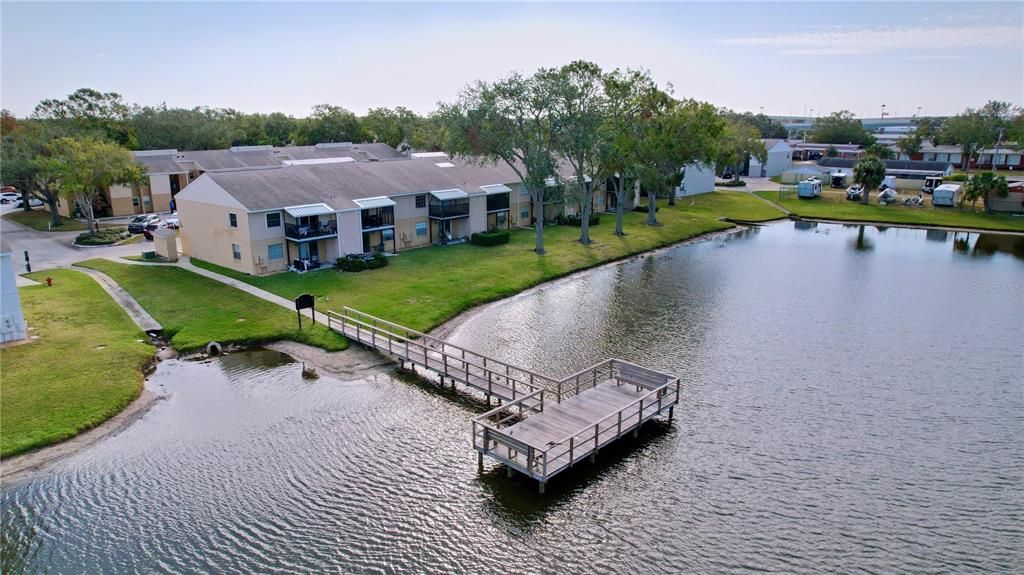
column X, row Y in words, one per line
column 423, row 288
column 195, row 310
column 835, row 206
column 84, row 368
column 40, row 220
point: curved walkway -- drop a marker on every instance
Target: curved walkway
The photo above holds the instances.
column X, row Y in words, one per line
column 185, row 262
column 135, row 311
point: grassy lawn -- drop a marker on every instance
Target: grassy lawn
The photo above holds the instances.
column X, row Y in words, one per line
column 84, row 368
column 195, row 310
column 834, row 206
column 1015, row 174
column 39, row 219
column 422, row 288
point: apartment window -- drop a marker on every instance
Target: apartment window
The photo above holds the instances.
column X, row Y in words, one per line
column 421, row 201
column 135, row 202
column 274, row 220
column 388, row 234
column 236, row 251
column 233, row 220
column 524, row 214
column 421, row 228
column 275, row 252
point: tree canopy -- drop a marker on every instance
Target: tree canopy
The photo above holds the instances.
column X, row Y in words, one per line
column 840, row 128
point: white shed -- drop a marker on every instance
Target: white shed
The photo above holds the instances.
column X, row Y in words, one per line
column 779, row 159
column 12, row 321
column 698, row 178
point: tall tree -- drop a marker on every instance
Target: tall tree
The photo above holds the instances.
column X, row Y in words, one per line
column 23, row 165
column 85, row 166
column 579, row 109
column 972, row 131
column 429, row 134
column 910, row 144
column 507, row 121
column 984, row 186
column 673, row 134
column 329, row 123
column 879, row 150
column 394, row 127
column 768, row 127
column 739, row 141
column 91, row 113
column 840, row 128
column 627, row 94
column 869, row 173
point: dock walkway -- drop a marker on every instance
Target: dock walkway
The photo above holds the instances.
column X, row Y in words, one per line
column 546, row 425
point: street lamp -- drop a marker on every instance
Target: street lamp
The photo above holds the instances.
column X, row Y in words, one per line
column 881, row 120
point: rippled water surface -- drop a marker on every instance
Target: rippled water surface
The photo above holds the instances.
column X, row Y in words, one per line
column 852, row 402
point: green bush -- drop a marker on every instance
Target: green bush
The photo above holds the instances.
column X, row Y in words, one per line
column 577, row 221
column 358, row 265
column 104, row 237
column 491, row 238
column 643, row 209
column 733, row 184
column 956, row 178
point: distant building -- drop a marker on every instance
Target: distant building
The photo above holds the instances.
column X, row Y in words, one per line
column 698, row 179
column 779, row 159
column 12, row 320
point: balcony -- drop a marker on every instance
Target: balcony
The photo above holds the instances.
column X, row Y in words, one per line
column 312, row 231
column 448, row 210
column 497, row 202
column 378, row 218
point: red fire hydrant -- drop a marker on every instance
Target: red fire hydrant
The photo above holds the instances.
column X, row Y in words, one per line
column 49, row 281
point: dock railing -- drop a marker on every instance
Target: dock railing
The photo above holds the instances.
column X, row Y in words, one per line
column 493, row 376
column 542, row 461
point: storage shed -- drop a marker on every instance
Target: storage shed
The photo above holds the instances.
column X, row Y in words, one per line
column 165, row 244
column 946, row 195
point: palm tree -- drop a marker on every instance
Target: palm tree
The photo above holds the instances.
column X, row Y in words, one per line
column 984, row 185
column 869, row 173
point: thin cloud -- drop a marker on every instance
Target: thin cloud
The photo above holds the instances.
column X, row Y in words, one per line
column 876, row 40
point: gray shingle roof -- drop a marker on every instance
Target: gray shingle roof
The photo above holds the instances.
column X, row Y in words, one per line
column 175, row 162
column 339, row 184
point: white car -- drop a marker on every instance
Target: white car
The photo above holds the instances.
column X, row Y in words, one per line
column 8, row 197
column 171, row 223
column 32, row 203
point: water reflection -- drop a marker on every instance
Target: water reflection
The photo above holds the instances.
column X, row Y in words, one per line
column 828, row 423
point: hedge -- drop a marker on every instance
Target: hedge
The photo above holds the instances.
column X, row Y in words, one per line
column 491, row 238
column 733, row 184
column 577, row 221
column 643, row 209
column 104, row 237
column 358, row 264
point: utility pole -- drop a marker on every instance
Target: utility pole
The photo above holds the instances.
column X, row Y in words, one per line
column 881, row 121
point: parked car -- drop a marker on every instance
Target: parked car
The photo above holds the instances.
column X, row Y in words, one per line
column 32, row 202
column 144, row 222
column 9, row 197
column 171, row 223
column 855, row 193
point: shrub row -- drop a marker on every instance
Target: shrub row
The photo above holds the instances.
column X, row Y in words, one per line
column 734, row 184
column 577, row 221
column 104, row 237
column 358, row 264
column 956, row 178
column 491, row 238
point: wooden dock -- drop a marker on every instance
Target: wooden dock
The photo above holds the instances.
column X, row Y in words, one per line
column 546, row 425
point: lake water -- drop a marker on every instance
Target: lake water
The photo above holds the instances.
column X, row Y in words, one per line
column 853, row 400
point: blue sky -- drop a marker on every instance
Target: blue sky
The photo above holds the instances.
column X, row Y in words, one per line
column 263, row 57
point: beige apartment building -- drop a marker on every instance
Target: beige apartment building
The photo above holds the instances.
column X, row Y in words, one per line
column 264, row 220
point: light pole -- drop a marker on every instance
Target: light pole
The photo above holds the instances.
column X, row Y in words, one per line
column 881, row 121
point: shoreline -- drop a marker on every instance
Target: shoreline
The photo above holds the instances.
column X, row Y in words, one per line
column 451, row 326
column 797, row 217
column 19, row 466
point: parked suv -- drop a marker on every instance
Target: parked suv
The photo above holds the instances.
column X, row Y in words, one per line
column 142, row 223
column 8, row 197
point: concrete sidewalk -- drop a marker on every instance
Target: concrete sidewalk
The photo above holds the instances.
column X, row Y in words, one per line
column 186, row 263
column 135, row 311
